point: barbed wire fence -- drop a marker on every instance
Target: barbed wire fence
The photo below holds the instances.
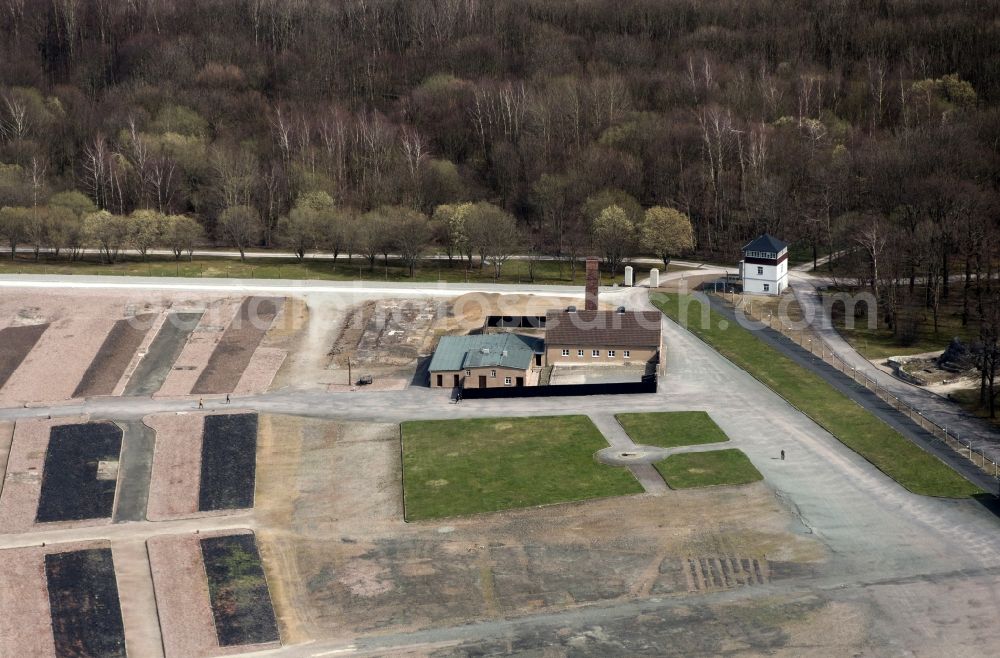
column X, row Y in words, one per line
column 818, row 346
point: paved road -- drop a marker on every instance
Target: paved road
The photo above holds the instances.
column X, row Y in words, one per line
column 936, row 408
column 867, row 399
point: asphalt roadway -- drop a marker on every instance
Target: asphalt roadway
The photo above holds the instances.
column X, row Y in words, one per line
column 920, row 567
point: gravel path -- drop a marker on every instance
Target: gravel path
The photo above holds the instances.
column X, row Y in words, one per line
column 135, row 470
column 619, row 440
column 137, row 597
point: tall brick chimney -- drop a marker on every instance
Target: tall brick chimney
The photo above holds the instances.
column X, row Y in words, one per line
column 593, row 281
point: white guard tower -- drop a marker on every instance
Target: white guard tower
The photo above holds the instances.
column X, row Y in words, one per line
column 764, row 268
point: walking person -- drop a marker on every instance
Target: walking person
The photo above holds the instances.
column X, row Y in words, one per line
column 227, row 398
column 201, row 403
column 782, row 455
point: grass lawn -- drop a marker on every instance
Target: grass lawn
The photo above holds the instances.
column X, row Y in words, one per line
column 461, row 467
column 884, row 447
column 670, row 429
column 706, row 469
column 514, row 271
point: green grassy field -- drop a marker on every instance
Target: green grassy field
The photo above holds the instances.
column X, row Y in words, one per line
column 707, row 469
column 888, row 450
column 461, row 467
column 670, row 429
column 514, row 271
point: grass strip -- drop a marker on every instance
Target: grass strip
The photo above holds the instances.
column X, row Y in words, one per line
column 689, row 470
column 671, row 429
column 854, row 426
column 461, row 467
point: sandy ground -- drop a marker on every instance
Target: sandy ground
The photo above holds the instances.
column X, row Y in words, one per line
column 341, row 561
column 176, row 477
column 195, row 355
column 260, row 372
column 173, row 487
column 182, row 598
column 23, row 481
column 81, row 322
column 6, row 437
column 65, row 349
column 26, row 625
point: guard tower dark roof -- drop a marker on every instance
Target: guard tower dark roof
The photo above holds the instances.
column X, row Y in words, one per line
column 767, row 244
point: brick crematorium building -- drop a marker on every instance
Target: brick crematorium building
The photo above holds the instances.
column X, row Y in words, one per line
column 486, row 361
column 601, row 337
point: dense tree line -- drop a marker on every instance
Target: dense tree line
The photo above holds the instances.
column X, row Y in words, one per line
column 790, row 116
column 542, row 126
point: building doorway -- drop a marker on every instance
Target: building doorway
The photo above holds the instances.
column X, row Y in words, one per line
column 440, row 380
column 482, row 381
column 519, row 381
column 457, row 382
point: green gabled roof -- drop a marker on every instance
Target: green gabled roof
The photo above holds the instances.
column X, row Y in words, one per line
column 485, row 350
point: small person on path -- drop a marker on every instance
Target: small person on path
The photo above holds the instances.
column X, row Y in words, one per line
column 201, row 403
column 227, row 398
column 782, row 455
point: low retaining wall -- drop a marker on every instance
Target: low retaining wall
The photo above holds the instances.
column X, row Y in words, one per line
column 647, row 385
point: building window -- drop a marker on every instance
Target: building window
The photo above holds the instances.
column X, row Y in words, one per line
column 611, row 353
column 468, row 373
column 625, row 353
column 506, row 381
column 493, row 373
column 595, row 353
column 565, row 352
column 760, row 270
column 579, row 352
column 767, row 287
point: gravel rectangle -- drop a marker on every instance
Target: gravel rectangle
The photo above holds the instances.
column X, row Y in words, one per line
column 113, row 358
column 241, row 602
column 166, row 347
column 71, row 488
column 182, row 596
column 15, row 343
column 233, row 353
column 228, row 462
column 173, row 486
column 201, row 343
column 23, row 484
column 83, row 603
column 26, row 625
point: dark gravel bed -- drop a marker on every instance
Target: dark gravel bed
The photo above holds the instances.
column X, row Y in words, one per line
column 232, row 355
column 70, row 488
column 112, row 359
column 238, row 590
column 83, row 599
column 168, row 344
column 228, row 462
column 15, row 343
